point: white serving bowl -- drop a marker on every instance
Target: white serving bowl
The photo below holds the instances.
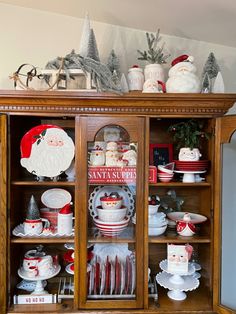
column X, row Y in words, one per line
column 155, row 231
column 111, row 215
column 157, row 219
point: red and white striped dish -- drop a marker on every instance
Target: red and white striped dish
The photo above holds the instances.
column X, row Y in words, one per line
column 191, row 165
column 101, row 223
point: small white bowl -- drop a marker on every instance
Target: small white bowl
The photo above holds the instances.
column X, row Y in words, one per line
column 155, row 231
column 111, row 215
column 165, row 177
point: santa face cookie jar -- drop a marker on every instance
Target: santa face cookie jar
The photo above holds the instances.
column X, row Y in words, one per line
column 46, row 151
column 182, row 77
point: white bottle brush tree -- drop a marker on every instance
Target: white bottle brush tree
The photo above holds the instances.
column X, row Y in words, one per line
column 32, row 211
column 210, row 71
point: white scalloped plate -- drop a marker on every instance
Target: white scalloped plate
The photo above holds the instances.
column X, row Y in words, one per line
column 112, row 250
column 56, row 198
column 18, row 231
column 194, row 218
column 99, row 191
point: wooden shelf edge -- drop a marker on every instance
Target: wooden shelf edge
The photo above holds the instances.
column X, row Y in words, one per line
column 179, row 239
column 43, row 183
column 43, row 240
column 110, row 240
column 181, row 184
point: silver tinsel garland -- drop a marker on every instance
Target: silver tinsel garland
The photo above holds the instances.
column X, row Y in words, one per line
column 100, row 73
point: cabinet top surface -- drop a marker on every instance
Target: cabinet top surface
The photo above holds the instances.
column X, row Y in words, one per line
column 72, row 102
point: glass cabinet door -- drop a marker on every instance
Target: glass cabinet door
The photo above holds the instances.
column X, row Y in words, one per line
column 226, row 217
column 110, row 201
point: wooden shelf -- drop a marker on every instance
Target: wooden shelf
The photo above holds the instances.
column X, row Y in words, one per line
column 197, row 300
column 43, row 240
column 43, row 183
column 181, row 184
column 174, row 238
column 110, row 240
column 64, row 307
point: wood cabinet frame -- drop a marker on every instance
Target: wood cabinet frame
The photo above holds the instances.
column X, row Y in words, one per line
column 76, row 105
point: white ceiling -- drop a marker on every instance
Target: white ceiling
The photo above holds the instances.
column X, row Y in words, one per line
column 205, row 20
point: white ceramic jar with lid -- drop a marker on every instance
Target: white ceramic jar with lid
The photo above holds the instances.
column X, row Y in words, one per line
column 135, row 78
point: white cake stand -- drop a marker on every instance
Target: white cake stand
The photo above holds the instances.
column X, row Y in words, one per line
column 189, row 176
column 177, row 283
column 39, row 288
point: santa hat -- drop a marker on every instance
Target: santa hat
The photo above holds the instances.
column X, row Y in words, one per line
column 182, row 58
column 65, row 210
column 32, row 136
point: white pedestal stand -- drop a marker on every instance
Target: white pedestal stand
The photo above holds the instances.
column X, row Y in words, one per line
column 39, row 288
column 190, row 176
column 197, row 267
column 177, row 283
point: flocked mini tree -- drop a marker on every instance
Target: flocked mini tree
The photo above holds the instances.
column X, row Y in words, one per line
column 32, row 211
column 92, row 47
column 83, row 49
column 113, row 63
column 211, row 68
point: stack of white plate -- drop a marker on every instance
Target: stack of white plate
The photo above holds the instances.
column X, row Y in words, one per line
column 157, row 223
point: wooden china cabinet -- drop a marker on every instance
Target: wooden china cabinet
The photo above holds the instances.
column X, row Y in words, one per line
column 142, row 119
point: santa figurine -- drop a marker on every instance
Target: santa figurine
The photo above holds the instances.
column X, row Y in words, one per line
column 46, row 151
column 182, row 77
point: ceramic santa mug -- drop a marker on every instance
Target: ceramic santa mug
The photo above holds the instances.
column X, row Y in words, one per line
column 35, row 226
column 97, row 157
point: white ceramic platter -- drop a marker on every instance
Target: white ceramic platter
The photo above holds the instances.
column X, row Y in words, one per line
column 23, row 275
column 99, row 191
column 194, row 218
column 18, row 231
column 56, row 198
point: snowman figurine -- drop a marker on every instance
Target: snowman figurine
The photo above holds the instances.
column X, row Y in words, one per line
column 182, row 77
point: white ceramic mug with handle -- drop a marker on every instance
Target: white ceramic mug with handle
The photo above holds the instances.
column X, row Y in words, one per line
column 35, row 226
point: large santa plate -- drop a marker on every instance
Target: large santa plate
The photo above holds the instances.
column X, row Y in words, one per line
column 46, row 150
column 99, row 191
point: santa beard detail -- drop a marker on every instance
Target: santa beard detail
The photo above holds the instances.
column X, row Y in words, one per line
column 51, row 156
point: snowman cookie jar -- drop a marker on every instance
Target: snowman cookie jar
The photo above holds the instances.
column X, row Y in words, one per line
column 182, row 77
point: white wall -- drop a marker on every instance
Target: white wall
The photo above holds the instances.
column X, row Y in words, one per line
column 32, row 36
